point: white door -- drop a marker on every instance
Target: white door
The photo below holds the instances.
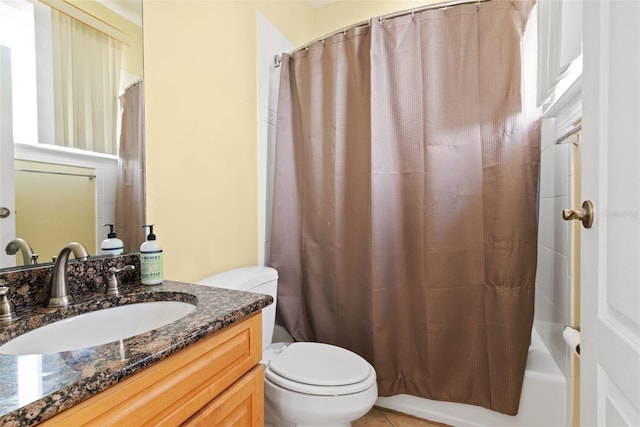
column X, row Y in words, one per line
column 7, row 199
column 610, row 287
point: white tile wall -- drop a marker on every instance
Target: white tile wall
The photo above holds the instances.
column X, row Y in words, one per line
column 553, row 303
column 110, row 179
column 553, row 285
column 271, row 42
column 109, row 203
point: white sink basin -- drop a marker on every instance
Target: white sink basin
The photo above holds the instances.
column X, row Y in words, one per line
column 97, row 327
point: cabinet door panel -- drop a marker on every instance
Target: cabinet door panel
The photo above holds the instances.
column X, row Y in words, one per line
column 242, row 405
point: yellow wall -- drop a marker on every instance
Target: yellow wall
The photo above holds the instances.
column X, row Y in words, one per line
column 46, row 217
column 202, row 128
column 344, row 13
column 201, row 99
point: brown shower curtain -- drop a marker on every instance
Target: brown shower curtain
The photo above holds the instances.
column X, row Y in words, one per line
column 404, row 215
column 130, row 187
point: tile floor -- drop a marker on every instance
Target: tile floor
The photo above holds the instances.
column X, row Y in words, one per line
column 379, row 417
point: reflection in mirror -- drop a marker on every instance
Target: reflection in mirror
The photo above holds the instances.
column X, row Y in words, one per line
column 18, row 244
column 71, row 64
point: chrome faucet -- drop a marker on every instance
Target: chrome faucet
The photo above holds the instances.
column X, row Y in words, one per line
column 112, row 286
column 7, row 310
column 28, row 257
column 59, row 292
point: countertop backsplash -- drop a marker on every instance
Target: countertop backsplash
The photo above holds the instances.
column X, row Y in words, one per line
column 29, row 287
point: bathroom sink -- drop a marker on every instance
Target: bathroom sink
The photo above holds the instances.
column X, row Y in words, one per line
column 97, row 327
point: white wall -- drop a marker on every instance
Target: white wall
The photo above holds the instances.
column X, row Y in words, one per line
column 271, row 43
column 557, row 297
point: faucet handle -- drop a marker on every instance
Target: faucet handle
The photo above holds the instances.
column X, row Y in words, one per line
column 112, row 286
column 7, row 310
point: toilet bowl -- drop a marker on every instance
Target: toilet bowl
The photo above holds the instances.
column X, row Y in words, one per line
column 314, row 384
column 306, row 383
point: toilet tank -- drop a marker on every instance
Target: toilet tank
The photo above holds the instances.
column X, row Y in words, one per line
column 261, row 280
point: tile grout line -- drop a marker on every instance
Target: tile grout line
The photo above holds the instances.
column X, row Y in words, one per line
column 384, row 414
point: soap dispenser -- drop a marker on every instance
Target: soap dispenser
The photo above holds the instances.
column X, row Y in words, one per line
column 111, row 245
column 150, row 259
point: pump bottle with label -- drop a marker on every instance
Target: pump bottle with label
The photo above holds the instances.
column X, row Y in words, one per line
column 150, row 259
column 111, row 245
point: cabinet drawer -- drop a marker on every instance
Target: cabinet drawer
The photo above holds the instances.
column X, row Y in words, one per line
column 172, row 390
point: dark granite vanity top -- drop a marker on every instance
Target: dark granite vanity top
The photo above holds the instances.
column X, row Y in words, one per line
column 36, row 387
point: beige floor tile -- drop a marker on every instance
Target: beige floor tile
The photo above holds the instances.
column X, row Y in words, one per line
column 402, row 420
column 374, row 418
column 379, row 417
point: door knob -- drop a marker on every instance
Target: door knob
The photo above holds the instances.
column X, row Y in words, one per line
column 4, row 212
column 585, row 214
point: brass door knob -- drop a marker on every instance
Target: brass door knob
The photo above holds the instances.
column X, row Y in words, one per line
column 585, row 214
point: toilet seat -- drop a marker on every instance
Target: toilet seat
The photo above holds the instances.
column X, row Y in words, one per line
column 320, row 369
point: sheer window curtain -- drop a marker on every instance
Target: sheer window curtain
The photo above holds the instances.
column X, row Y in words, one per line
column 86, row 68
column 404, row 215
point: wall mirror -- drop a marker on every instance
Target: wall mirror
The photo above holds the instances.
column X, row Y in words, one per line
column 59, row 183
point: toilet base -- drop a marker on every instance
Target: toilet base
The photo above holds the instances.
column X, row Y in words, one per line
column 284, row 408
column 273, row 419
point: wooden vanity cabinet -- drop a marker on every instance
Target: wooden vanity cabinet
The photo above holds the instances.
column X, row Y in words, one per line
column 217, row 381
column 241, row 405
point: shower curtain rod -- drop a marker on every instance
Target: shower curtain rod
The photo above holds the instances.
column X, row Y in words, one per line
column 440, row 5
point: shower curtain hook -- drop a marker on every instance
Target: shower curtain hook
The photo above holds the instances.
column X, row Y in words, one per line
column 478, row 6
column 413, row 13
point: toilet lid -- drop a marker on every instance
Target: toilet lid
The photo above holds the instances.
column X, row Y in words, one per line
column 316, row 368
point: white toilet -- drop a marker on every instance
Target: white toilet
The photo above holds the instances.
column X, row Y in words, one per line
column 306, row 383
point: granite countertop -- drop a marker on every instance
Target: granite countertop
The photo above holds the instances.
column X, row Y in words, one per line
column 34, row 388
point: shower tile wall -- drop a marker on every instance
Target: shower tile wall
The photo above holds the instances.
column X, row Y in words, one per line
column 271, row 42
column 553, row 286
column 557, row 300
column 106, row 180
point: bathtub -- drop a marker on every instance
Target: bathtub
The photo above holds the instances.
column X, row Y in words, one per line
column 542, row 404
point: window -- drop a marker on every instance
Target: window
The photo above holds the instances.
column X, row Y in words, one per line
column 17, row 33
column 65, row 78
